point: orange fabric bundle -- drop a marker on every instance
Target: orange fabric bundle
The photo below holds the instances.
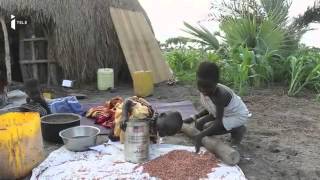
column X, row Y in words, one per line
column 110, row 114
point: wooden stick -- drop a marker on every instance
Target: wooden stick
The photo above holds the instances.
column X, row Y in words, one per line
column 41, row 61
column 226, row 153
column 7, row 49
column 22, row 56
column 34, row 66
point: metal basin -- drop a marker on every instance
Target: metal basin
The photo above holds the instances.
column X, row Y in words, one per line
column 79, row 138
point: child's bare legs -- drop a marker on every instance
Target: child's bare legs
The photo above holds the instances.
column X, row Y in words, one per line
column 237, row 134
column 208, row 120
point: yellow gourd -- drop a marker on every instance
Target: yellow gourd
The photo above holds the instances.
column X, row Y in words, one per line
column 142, row 83
column 21, row 147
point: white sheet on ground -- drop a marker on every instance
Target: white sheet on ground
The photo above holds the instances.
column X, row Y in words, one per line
column 15, row 98
column 107, row 162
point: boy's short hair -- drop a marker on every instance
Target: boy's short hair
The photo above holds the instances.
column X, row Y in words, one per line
column 208, row 71
column 169, row 123
column 32, row 88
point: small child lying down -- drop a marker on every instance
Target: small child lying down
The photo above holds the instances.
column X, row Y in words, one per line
column 164, row 124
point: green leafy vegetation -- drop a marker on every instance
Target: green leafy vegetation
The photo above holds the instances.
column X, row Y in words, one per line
column 184, row 62
column 304, row 71
column 236, row 72
column 258, row 46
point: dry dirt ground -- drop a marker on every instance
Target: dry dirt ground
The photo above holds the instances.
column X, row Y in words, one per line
column 283, row 138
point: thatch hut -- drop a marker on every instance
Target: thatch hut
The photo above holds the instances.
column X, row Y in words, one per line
column 77, row 35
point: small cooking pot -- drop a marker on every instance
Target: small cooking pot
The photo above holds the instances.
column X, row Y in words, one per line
column 52, row 124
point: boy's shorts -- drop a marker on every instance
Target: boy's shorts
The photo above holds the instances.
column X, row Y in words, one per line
column 234, row 121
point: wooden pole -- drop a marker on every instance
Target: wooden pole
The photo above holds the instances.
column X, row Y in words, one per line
column 226, row 153
column 7, row 48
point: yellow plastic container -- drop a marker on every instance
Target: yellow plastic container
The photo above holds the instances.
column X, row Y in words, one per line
column 21, row 147
column 47, row 95
column 143, row 83
column 105, row 78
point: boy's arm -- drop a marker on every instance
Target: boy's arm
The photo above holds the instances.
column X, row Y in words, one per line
column 201, row 114
column 196, row 116
column 126, row 109
column 216, row 126
column 213, row 127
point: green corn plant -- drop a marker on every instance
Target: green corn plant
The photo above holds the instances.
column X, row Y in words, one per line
column 262, row 71
column 237, row 71
column 297, row 74
column 305, row 71
column 245, row 67
column 184, row 62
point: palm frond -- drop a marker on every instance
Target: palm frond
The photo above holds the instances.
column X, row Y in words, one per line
column 202, row 35
column 276, row 10
column 269, row 37
column 312, row 14
column 240, row 31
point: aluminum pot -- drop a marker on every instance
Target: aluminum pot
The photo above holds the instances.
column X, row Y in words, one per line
column 79, row 138
column 52, row 124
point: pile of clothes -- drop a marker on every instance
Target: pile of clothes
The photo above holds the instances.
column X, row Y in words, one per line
column 114, row 112
column 106, row 115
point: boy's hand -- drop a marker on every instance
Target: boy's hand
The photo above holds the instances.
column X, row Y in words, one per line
column 188, row 120
column 197, row 141
column 123, row 126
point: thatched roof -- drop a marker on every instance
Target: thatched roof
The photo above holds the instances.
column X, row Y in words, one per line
column 81, row 32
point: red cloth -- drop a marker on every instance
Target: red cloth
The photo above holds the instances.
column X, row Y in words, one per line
column 105, row 115
column 106, row 119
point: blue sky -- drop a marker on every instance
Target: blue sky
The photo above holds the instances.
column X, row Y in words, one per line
column 167, row 17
